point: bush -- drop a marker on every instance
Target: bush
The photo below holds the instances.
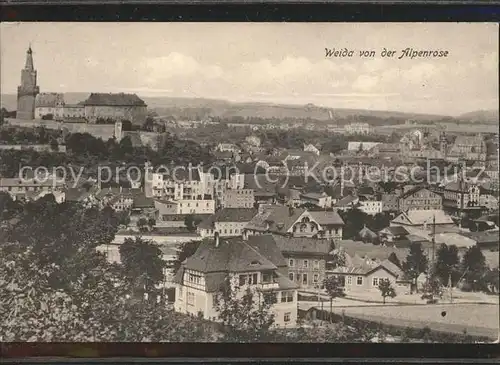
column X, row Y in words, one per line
column 48, row 117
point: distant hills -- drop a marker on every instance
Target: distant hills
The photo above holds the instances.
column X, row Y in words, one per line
column 203, row 108
column 482, row 116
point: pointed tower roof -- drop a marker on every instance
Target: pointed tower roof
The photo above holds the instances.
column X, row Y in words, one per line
column 29, row 60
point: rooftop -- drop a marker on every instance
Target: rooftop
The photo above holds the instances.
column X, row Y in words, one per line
column 121, row 99
column 229, row 215
column 298, row 244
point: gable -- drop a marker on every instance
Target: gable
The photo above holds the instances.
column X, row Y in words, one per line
column 381, row 268
column 402, row 219
column 305, row 214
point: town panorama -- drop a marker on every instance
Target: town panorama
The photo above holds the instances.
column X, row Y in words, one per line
column 128, row 217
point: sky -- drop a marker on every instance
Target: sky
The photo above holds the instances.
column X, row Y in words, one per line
column 268, row 62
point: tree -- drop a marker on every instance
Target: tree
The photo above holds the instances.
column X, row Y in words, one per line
column 93, row 308
column 474, row 267
column 142, row 263
column 492, row 279
column 386, row 289
column 8, row 208
column 149, row 124
column 151, row 223
column 354, row 222
column 378, row 222
column 394, row 259
column 191, row 222
column 446, row 265
column 54, row 146
column 72, row 246
column 247, row 317
column 388, row 186
column 415, row 264
column 335, row 289
column 432, row 289
column 123, row 218
column 186, row 250
column 142, row 224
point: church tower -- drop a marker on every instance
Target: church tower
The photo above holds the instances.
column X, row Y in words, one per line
column 27, row 91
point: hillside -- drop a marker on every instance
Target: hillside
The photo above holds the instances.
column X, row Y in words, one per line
column 221, row 108
column 481, row 116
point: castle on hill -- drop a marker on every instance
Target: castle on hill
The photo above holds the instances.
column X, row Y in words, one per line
column 31, row 104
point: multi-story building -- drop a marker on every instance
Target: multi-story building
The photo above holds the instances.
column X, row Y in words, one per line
column 419, row 198
column 115, row 107
column 49, row 104
column 460, row 197
column 227, row 222
column 239, row 198
column 20, row 188
column 357, row 128
column 177, row 184
column 321, row 200
column 294, row 222
column 53, row 105
column 471, row 148
column 423, row 219
column 390, row 202
column 244, row 266
column 306, row 258
column 185, row 206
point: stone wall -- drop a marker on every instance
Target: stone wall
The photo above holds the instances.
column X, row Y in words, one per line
column 103, row 131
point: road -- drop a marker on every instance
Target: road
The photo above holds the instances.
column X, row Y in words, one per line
column 476, row 319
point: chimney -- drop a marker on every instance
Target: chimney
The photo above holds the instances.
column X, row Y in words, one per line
column 216, row 237
column 291, row 211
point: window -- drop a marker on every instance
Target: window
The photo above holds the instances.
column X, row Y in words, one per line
column 190, row 298
column 349, row 280
column 304, row 279
column 266, row 278
column 243, row 280
column 375, row 282
column 359, row 280
column 286, row 296
column 287, row 317
column 316, row 264
column 252, row 279
column 315, row 278
column 306, row 264
column 291, row 263
column 290, row 276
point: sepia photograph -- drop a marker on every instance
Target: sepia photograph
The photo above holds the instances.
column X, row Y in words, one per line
column 249, row 182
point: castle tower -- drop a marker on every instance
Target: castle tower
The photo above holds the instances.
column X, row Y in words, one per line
column 27, row 91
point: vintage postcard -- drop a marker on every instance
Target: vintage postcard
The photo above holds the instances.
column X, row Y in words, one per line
column 249, row 182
